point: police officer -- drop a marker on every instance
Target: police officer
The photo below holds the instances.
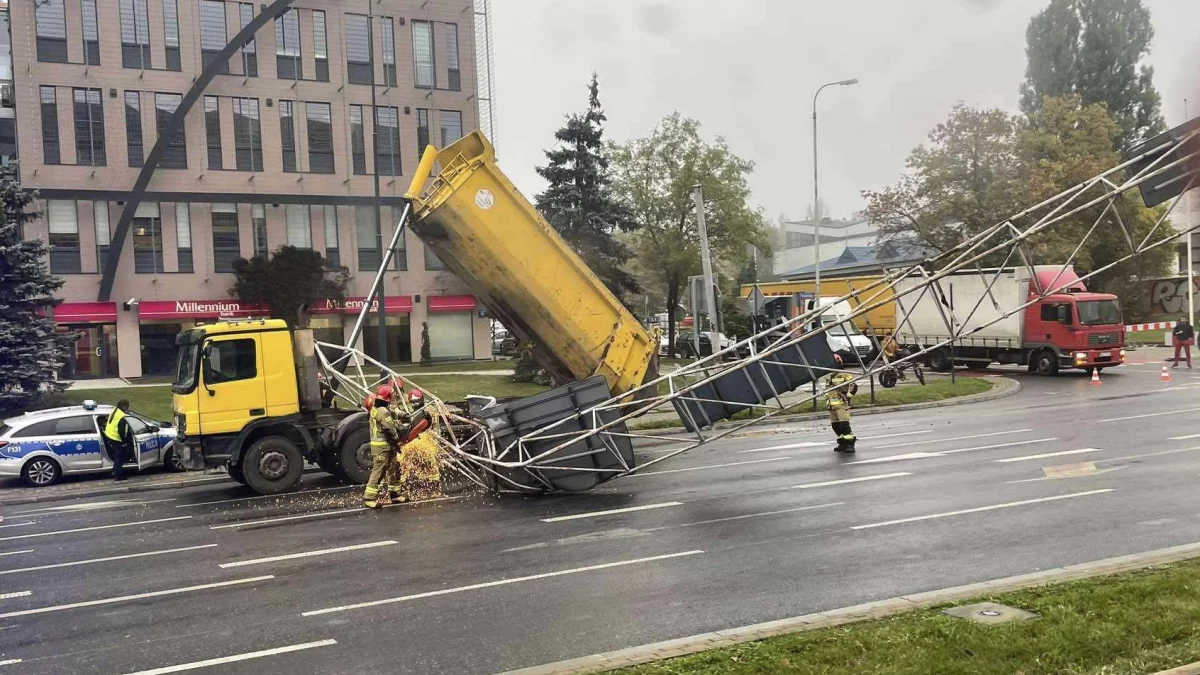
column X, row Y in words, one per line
column 118, row 438
column 385, row 440
column 839, row 388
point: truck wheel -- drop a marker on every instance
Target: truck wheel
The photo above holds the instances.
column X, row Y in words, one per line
column 939, row 361
column 272, row 465
column 328, row 463
column 235, row 472
column 354, row 458
column 1046, row 362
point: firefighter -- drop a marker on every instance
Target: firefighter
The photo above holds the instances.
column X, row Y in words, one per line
column 385, row 440
column 412, row 423
column 839, row 387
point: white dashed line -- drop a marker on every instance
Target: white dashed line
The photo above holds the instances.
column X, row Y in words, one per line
column 1026, row 458
column 979, row 509
column 97, row 527
column 610, row 512
column 100, row 560
column 309, row 554
column 707, row 466
column 18, row 594
column 1157, row 414
column 956, row 438
column 844, row 481
column 139, row 596
column 235, row 658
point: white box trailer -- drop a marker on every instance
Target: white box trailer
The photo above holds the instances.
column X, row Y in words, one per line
column 989, row 316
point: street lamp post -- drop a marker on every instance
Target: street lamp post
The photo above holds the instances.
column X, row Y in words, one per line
column 816, row 192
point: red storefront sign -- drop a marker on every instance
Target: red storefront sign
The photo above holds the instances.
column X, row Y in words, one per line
column 200, row 309
column 85, row 312
column 399, row 303
column 451, row 303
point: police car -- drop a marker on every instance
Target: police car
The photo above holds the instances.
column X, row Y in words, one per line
column 44, row 445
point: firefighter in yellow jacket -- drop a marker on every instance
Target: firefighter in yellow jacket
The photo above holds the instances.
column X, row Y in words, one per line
column 839, row 388
column 385, row 442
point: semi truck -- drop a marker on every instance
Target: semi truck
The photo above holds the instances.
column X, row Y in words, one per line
column 1070, row 328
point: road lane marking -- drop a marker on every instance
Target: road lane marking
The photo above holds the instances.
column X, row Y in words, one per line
column 139, row 596
column 90, row 506
column 324, row 514
column 28, row 550
column 1150, row 454
column 278, row 496
column 940, row 453
column 745, row 516
column 845, row 481
column 10, row 662
column 979, row 509
column 1183, row 438
column 610, row 512
column 17, row 525
column 96, row 527
column 1064, row 471
column 100, row 560
column 897, row 458
column 957, row 438
column 1044, row 455
column 309, row 554
column 236, row 657
column 1157, row 414
column 998, row 445
column 18, row 594
column 501, row 582
column 700, row 468
column 821, row 444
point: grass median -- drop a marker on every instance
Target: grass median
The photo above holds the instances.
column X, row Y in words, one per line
column 1129, row 624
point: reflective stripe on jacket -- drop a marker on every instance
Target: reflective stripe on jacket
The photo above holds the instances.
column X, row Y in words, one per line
column 836, row 390
column 383, row 425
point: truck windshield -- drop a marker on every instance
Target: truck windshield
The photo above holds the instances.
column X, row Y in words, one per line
column 186, row 368
column 1099, row 312
column 848, row 326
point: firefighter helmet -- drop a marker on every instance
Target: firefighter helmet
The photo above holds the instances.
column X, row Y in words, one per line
column 384, row 393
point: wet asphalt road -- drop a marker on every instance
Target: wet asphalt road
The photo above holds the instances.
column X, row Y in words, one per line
column 752, row 529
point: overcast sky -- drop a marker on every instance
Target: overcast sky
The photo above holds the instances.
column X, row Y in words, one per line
column 747, row 70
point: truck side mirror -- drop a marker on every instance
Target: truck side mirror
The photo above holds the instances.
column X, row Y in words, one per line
column 1064, row 314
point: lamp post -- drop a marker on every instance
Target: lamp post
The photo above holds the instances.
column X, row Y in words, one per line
column 816, row 192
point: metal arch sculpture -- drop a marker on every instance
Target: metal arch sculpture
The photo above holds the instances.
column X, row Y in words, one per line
column 214, row 67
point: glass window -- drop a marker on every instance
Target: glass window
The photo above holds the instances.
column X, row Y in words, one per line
column 230, row 360
column 62, row 221
column 358, row 49
column 320, row 45
column 135, row 34
column 50, row 16
column 451, row 336
column 170, row 10
column 250, row 51
column 212, row 131
column 37, row 430
column 183, row 236
column 388, row 29
column 432, row 262
column 89, row 128
column 299, row 229
column 103, row 236
column 452, row 128
column 287, row 134
column 174, row 155
column 75, row 426
column 258, row 216
column 247, row 135
column 422, row 130
column 51, row 152
column 91, row 33
column 320, row 137
column 358, row 147
column 133, row 127
column 212, row 32
column 387, row 147
column 1099, row 312
column 226, row 240
column 423, row 55
column 367, row 233
column 453, row 74
column 287, row 46
column 333, row 257
column 147, row 239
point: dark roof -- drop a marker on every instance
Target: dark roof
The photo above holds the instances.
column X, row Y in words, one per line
column 861, row 259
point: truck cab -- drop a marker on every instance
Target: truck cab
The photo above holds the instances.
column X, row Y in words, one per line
column 1075, row 329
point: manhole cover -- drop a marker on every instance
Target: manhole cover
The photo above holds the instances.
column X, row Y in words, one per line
column 989, row 613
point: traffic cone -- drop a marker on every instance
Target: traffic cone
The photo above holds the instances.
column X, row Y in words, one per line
column 1095, row 377
column 1165, row 377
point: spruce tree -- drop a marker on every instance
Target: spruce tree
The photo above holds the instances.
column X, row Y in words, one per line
column 580, row 203
column 30, row 351
column 426, row 353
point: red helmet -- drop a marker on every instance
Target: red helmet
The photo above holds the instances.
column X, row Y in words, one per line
column 384, row 393
column 416, row 397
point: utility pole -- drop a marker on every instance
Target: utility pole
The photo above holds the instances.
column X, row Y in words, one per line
column 816, row 191
column 1190, row 265
column 710, row 295
column 381, row 310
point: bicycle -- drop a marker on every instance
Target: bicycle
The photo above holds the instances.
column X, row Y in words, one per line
column 892, row 374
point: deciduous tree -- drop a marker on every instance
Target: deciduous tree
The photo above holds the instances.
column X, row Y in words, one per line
column 290, row 278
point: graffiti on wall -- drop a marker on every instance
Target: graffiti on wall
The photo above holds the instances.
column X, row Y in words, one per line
column 1169, row 296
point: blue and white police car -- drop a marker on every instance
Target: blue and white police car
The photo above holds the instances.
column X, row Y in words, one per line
column 44, row 445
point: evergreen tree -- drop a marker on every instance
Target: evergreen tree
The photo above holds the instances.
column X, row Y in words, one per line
column 579, row 202
column 426, row 354
column 291, row 278
column 30, row 351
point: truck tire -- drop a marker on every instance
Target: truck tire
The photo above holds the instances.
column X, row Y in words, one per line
column 329, row 464
column 939, row 361
column 272, row 465
column 354, row 457
column 1046, row 362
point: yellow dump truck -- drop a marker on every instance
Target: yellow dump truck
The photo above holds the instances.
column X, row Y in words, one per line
column 781, row 299
column 246, row 393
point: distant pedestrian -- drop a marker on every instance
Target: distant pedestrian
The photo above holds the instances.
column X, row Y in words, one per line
column 118, row 438
column 1185, row 337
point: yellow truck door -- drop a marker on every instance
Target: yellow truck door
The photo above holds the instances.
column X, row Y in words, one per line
column 232, row 390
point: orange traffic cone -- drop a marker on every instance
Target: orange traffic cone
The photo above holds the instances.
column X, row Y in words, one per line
column 1095, row 377
column 1165, row 377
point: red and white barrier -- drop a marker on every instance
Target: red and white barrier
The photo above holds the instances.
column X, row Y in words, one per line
column 1158, row 325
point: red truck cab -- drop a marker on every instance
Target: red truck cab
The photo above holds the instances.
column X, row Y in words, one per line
column 1073, row 328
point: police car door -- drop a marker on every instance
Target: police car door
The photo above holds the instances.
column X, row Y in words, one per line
column 145, row 441
column 76, row 441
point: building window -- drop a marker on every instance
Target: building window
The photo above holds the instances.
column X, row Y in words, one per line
column 333, row 257
column 287, row 46
column 320, row 45
column 212, row 33
column 51, row 19
column 358, row 145
column 89, row 128
column 432, row 262
column 174, row 155
column 183, row 236
column 287, row 134
column 451, row 336
column 422, row 130
column 51, row 152
column 453, row 74
column 170, row 10
column 320, row 137
column 388, row 28
column 299, row 228
column 226, row 240
column 258, row 218
column 135, row 34
column 451, row 126
column 250, row 51
column 247, row 135
column 369, row 238
column 63, row 224
column 133, row 127
column 103, row 236
column 147, row 239
column 387, row 146
column 212, row 132
column 424, row 73
column 91, row 33
column 359, row 67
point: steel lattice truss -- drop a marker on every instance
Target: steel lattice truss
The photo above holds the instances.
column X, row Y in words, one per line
column 526, row 463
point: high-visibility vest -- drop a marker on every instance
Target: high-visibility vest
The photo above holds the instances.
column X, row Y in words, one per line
column 111, row 429
column 379, row 417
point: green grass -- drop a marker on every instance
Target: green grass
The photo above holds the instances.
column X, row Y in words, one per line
column 153, row 402
column 456, row 387
column 1130, row 624
column 452, row 367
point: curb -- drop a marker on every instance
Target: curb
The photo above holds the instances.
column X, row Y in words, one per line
column 124, row 489
column 657, row 651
